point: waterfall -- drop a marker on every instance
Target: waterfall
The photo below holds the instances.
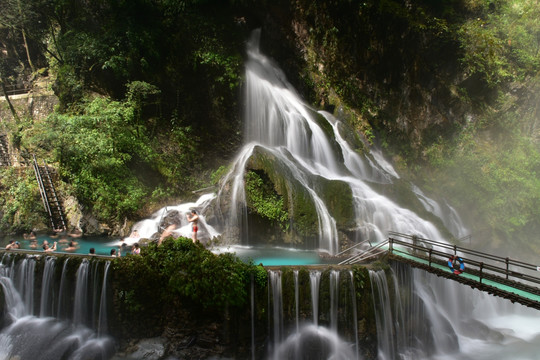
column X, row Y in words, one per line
column 80, row 304
column 102, row 318
column 150, row 228
column 310, row 340
column 47, row 286
column 25, row 336
column 334, row 294
column 62, row 305
column 315, row 280
column 296, row 301
column 23, row 276
column 95, row 281
column 355, row 314
column 385, row 330
column 308, row 148
column 421, row 316
column 445, row 212
column 277, row 307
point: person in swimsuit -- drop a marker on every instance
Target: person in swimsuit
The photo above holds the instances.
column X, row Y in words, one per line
column 72, row 247
column 166, row 233
column 194, row 220
column 47, row 248
column 136, row 250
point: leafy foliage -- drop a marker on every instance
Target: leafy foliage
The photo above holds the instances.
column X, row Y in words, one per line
column 94, row 150
column 264, row 200
column 188, row 270
column 503, row 41
column 20, row 207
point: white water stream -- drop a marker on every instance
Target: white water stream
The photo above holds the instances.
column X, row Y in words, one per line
column 30, row 332
column 455, row 321
column 433, row 318
column 282, row 125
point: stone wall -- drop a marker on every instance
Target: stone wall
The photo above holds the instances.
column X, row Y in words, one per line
column 34, row 105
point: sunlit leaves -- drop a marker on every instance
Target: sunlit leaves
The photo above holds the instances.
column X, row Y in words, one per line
column 94, row 149
column 502, row 44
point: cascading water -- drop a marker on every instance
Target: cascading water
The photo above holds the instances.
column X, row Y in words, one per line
column 334, row 294
column 277, row 307
column 354, row 314
column 281, row 126
column 421, row 316
column 27, row 336
column 429, row 318
column 47, row 297
column 306, row 338
column 61, row 312
column 296, row 301
column 102, row 317
column 315, row 280
column 383, row 315
column 80, row 309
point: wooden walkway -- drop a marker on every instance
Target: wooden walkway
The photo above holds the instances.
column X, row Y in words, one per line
column 504, row 277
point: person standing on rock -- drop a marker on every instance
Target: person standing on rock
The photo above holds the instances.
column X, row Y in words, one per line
column 194, row 220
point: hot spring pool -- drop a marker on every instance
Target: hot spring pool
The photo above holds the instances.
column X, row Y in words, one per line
column 268, row 256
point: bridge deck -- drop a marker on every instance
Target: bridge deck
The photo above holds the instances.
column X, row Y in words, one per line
column 493, row 287
column 481, row 271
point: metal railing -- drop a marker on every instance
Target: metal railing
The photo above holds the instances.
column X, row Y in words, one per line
column 44, row 180
column 371, row 252
column 14, row 90
column 486, row 266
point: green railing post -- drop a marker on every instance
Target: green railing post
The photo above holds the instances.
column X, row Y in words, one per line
column 507, row 260
column 390, row 245
column 430, row 251
column 481, row 269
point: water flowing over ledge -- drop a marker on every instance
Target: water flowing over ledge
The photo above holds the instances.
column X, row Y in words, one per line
column 54, row 315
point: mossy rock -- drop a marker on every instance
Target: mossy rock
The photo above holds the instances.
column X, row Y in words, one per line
column 299, row 203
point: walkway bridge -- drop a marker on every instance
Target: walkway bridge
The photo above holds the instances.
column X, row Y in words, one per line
column 504, row 277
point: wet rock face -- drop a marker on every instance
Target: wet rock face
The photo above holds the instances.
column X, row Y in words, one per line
column 150, row 349
column 297, row 201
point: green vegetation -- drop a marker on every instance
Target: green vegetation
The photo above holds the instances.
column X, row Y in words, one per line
column 502, row 42
column 149, row 103
column 491, row 164
column 21, row 204
column 263, row 199
column 99, row 147
column 493, row 169
column 179, row 268
column 448, row 88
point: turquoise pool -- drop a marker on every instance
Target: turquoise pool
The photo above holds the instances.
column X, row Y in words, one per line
column 101, row 244
column 268, row 256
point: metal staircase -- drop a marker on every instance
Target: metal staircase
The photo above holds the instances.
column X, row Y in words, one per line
column 48, row 195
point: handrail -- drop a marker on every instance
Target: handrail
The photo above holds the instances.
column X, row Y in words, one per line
column 56, row 200
column 365, row 254
column 15, row 90
column 46, row 197
column 476, row 262
column 42, row 189
column 354, row 246
column 470, row 252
